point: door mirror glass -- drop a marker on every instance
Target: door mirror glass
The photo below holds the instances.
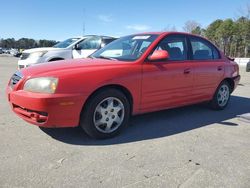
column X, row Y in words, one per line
column 159, row 55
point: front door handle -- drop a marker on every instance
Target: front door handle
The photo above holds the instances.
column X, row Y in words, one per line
column 219, row 68
column 187, row 71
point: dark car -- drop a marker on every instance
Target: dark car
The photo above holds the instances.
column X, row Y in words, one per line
column 248, row 67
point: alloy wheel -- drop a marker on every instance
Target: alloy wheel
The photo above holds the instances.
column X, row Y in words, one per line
column 108, row 115
column 223, row 95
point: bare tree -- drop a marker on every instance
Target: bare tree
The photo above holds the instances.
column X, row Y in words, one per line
column 243, row 12
column 169, row 28
column 248, row 11
column 190, row 25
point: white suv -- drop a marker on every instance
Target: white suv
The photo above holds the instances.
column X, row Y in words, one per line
column 72, row 48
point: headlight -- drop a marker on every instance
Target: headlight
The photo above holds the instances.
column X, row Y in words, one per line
column 41, row 85
column 37, row 54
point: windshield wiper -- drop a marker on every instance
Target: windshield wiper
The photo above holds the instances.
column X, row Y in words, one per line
column 105, row 57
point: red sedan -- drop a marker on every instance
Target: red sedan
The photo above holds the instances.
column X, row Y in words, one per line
column 132, row 75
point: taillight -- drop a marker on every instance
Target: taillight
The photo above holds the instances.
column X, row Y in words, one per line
column 230, row 58
column 236, row 70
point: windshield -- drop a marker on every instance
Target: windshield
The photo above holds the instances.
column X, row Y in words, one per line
column 128, row 48
column 66, row 43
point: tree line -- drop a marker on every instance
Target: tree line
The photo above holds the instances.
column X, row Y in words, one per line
column 231, row 36
column 25, row 43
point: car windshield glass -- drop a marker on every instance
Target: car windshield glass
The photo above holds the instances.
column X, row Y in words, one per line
column 66, row 43
column 128, row 48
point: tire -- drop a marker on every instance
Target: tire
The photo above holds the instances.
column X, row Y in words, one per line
column 221, row 97
column 105, row 114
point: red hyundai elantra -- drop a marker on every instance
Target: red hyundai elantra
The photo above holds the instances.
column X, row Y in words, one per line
column 132, row 75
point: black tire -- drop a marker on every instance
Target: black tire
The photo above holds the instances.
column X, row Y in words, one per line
column 89, row 113
column 217, row 104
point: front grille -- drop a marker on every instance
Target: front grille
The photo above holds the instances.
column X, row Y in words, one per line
column 39, row 117
column 24, row 56
column 15, row 79
column 21, row 66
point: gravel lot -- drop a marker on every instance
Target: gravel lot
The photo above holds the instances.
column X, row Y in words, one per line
column 185, row 147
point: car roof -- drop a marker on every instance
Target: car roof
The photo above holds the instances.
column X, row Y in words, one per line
column 102, row 36
column 167, row 32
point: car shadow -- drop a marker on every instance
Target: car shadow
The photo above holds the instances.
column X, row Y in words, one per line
column 159, row 124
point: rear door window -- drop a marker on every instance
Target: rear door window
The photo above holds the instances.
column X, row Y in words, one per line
column 203, row 50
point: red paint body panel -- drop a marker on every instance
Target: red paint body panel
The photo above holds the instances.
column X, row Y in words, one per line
column 153, row 86
column 166, row 85
column 208, row 76
column 58, row 115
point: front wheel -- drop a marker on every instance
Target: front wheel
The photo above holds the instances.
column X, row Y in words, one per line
column 105, row 114
column 221, row 96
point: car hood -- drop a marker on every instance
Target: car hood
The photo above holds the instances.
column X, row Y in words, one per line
column 41, row 49
column 69, row 66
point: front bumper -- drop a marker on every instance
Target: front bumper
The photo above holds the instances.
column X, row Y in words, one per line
column 28, row 62
column 47, row 110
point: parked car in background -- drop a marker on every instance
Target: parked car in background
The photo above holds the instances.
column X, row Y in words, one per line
column 6, row 50
column 72, row 48
column 132, row 75
column 11, row 51
column 243, row 63
column 14, row 51
column 248, row 67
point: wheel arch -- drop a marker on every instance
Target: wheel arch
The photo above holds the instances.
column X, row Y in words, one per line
column 231, row 83
column 121, row 88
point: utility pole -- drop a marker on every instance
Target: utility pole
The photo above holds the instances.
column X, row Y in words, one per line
column 83, row 24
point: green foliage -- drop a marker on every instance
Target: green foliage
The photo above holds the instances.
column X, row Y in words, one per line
column 197, row 31
column 232, row 37
column 25, row 43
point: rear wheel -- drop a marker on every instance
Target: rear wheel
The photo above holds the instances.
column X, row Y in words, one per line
column 105, row 114
column 221, row 96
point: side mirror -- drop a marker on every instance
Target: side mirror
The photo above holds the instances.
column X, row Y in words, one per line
column 77, row 47
column 159, row 55
column 102, row 45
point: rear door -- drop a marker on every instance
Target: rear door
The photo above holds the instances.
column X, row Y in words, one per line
column 208, row 68
column 168, row 83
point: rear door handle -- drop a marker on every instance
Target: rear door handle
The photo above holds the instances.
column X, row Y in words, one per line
column 187, row 71
column 219, row 68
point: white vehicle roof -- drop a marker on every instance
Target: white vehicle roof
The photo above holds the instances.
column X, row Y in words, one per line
column 53, row 48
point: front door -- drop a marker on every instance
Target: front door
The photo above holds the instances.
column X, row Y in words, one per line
column 168, row 83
